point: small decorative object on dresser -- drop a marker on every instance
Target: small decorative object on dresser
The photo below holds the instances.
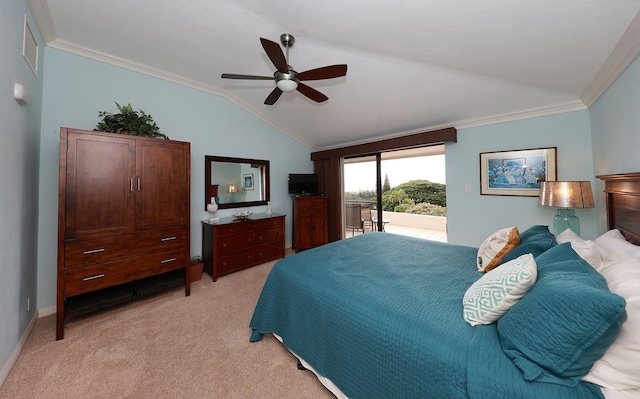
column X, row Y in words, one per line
column 212, row 208
column 231, row 244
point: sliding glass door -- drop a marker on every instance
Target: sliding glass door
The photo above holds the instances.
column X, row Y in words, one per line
column 401, row 185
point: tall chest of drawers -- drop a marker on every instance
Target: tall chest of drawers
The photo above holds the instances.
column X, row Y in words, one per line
column 229, row 244
column 123, row 212
column 310, row 222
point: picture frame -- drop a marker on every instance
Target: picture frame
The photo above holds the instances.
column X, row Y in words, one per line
column 247, row 181
column 517, row 172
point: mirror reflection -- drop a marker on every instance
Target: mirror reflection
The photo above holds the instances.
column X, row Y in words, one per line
column 236, row 182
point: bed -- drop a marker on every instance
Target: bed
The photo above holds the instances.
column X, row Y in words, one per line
column 381, row 316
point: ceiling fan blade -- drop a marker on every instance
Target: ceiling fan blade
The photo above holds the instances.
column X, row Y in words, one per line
column 273, row 97
column 247, row 77
column 328, row 72
column 313, row 94
column 275, row 54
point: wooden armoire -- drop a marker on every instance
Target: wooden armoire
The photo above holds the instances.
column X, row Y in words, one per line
column 123, row 212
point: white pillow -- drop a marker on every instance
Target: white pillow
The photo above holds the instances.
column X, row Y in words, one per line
column 587, row 249
column 497, row 291
column 619, row 368
column 496, row 247
column 614, row 247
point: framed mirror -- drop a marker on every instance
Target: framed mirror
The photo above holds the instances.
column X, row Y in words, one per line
column 235, row 182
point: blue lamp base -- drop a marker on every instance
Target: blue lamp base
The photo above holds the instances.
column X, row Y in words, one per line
column 566, row 219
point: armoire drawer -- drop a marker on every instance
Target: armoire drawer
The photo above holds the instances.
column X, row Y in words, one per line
column 90, row 278
column 90, row 252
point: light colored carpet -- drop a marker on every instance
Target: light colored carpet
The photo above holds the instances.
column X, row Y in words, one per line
column 167, row 346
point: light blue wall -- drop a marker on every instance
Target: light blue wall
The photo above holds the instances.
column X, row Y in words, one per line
column 19, row 157
column 472, row 217
column 76, row 88
column 615, row 128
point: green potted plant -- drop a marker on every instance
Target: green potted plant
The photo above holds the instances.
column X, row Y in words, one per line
column 129, row 121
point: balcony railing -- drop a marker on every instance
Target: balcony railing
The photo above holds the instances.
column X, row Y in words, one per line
column 409, row 224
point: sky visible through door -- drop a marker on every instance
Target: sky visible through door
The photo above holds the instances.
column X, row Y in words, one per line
column 361, row 176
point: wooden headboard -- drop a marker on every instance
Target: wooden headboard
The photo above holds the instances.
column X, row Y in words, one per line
column 623, row 204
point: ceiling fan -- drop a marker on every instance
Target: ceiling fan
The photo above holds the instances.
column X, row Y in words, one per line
column 287, row 79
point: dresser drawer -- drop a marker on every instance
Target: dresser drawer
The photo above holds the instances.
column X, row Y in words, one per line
column 267, row 252
column 227, row 229
column 275, row 221
column 90, row 252
column 251, row 225
column 90, row 278
column 234, row 261
column 235, row 242
column 269, row 235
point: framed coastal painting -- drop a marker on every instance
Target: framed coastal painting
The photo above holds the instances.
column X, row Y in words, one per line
column 248, row 181
column 517, row 172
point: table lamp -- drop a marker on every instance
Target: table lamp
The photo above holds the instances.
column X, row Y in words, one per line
column 233, row 189
column 564, row 195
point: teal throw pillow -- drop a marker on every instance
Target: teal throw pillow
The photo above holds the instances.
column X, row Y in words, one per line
column 565, row 323
column 535, row 240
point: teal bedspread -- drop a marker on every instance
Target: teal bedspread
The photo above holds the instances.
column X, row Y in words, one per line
column 380, row 315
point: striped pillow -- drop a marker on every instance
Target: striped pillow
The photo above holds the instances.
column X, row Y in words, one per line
column 496, row 292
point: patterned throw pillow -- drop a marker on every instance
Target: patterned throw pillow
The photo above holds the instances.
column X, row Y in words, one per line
column 495, row 247
column 496, row 292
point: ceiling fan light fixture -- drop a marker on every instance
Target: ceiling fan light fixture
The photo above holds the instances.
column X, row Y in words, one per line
column 287, row 85
column 286, row 78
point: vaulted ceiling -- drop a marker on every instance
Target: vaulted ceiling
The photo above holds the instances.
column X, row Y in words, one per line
column 413, row 65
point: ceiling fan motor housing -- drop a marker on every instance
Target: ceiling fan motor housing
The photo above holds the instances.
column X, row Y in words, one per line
column 286, row 81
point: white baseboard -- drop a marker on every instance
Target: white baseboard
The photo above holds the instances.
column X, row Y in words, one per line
column 42, row 312
column 6, row 369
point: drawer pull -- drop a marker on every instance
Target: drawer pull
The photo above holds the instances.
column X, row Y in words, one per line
column 168, row 260
column 93, row 251
column 93, row 277
column 169, row 238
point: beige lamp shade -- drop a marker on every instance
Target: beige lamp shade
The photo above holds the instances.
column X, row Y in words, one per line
column 566, row 194
column 233, row 188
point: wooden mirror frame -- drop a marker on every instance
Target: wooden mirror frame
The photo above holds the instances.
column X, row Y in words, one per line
column 210, row 190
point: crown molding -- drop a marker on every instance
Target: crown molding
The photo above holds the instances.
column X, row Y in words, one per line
column 469, row 123
column 621, row 57
column 42, row 16
column 625, row 52
column 73, row 48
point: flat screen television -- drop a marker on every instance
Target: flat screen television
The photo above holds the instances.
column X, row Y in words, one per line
column 303, row 184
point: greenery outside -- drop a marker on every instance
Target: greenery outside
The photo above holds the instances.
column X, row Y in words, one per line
column 416, row 196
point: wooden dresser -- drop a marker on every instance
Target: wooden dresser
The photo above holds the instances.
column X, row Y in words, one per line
column 123, row 212
column 229, row 244
column 310, row 222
